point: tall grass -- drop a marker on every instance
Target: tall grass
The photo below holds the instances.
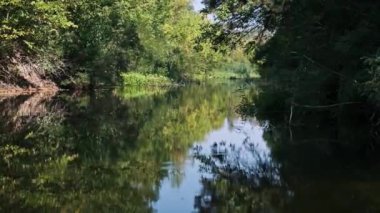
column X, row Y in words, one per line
column 138, row 79
column 139, row 91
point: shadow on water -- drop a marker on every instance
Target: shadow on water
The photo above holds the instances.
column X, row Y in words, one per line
column 325, row 160
column 205, row 148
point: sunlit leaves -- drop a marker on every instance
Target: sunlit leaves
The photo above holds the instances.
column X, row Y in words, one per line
column 32, row 21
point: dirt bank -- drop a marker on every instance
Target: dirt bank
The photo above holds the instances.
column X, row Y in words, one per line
column 24, row 75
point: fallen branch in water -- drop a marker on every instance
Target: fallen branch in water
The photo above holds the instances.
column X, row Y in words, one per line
column 316, row 107
column 326, row 106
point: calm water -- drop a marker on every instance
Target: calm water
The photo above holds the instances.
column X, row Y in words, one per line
column 200, row 148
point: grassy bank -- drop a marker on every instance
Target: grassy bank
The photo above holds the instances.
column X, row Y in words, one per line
column 139, row 91
column 222, row 75
column 229, row 70
column 138, row 79
column 139, row 84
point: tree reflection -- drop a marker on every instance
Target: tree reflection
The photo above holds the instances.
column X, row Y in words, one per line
column 245, row 179
column 105, row 151
column 324, row 161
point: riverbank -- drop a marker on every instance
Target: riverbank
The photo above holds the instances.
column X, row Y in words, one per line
column 16, row 91
column 147, row 82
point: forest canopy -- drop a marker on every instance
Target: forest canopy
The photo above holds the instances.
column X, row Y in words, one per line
column 327, row 50
column 91, row 42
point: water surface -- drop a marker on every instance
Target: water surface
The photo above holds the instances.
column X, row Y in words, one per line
column 190, row 149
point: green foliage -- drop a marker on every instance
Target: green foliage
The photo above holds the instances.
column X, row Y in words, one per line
column 371, row 88
column 307, row 48
column 137, row 79
column 30, row 36
column 172, row 40
column 78, row 80
column 238, row 63
column 20, row 18
column 100, row 39
column 139, row 91
column 155, row 37
column 33, row 25
column 227, row 72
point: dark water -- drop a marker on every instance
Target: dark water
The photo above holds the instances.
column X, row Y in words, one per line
column 200, row 148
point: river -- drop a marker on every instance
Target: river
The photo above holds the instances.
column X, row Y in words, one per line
column 197, row 148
